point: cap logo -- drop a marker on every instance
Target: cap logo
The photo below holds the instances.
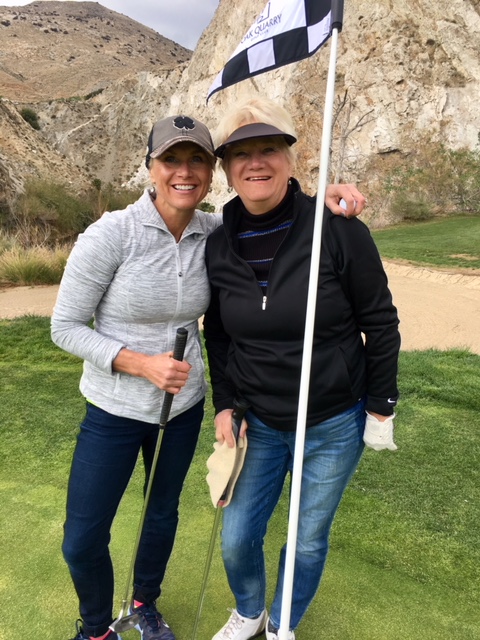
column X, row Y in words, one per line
column 184, row 122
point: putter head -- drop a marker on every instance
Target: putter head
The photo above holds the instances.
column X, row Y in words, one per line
column 124, row 623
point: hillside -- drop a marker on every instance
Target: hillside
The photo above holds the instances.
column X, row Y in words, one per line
column 76, row 48
column 55, row 57
column 25, row 154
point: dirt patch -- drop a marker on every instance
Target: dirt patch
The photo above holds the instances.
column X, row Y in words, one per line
column 21, row 301
column 437, row 308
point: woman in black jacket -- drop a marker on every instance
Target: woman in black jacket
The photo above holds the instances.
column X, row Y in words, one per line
column 258, row 264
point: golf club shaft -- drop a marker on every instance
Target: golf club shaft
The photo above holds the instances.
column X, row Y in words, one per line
column 178, row 351
column 239, row 410
column 206, row 571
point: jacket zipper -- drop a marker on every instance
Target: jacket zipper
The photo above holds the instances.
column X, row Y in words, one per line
column 229, row 242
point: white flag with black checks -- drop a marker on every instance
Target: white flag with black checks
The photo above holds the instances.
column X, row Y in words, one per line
column 285, row 32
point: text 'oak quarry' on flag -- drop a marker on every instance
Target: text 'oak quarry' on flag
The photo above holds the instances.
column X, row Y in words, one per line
column 285, row 32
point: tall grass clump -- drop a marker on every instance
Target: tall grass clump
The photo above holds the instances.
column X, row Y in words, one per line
column 48, row 212
column 6, row 241
column 38, row 231
column 107, row 197
column 37, row 265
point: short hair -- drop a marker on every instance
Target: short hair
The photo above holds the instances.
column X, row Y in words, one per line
column 253, row 110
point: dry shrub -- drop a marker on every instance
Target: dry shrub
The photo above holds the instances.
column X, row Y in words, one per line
column 48, row 213
column 428, row 181
column 37, row 265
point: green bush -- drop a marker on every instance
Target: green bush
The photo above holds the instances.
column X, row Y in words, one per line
column 206, row 206
column 412, row 209
column 50, row 207
column 92, row 94
column 47, row 213
column 110, row 198
column 466, row 165
column 429, row 180
column 31, row 117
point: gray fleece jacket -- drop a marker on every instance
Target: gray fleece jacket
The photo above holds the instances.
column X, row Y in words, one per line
column 127, row 272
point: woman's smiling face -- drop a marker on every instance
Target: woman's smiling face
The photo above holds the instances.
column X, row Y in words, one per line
column 182, row 177
column 259, row 169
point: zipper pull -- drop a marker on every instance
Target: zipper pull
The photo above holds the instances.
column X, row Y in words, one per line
column 264, row 303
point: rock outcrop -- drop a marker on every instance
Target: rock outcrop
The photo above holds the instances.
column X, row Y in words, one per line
column 410, row 68
column 25, row 153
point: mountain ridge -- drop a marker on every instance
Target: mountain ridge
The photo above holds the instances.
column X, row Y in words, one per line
column 78, row 48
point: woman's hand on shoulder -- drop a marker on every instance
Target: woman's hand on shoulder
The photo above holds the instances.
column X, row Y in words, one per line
column 351, row 196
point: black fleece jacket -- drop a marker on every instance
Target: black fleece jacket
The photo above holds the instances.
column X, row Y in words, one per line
column 255, row 342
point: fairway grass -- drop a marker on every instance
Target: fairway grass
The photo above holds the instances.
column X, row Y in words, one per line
column 452, row 242
column 405, row 546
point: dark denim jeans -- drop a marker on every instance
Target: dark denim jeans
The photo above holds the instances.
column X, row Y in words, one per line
column 104, row 459
column 332, row 451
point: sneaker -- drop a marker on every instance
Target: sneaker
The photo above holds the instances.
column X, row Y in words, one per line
column 271, row 632
column 81, row 635
column 239, row 628
column 152, row 625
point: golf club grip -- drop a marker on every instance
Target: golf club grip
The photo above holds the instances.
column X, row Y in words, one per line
column 240, row 407
column 178, row 351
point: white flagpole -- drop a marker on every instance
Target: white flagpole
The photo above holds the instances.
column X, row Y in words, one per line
column 308, row 345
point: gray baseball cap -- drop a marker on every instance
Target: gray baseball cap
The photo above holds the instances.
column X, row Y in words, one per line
column 169, row 131
column 254, row 130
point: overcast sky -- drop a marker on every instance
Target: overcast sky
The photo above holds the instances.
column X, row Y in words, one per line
column 183, row 21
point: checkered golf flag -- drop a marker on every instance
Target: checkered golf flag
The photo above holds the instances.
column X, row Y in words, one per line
column 285, row 32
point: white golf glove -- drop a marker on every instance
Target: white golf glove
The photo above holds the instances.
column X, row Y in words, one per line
column 379, row 435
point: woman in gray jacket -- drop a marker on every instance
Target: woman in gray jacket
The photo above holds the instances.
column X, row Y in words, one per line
column 140, row 274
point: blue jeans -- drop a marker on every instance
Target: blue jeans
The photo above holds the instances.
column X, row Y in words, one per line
column 332, row 451
column 105, row 456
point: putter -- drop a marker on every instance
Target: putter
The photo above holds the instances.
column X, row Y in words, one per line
column 126, row 621
column 239, row 410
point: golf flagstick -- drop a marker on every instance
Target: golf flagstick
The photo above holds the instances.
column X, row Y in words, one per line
column 126, row 621
column 239, row 410
column 309, row 332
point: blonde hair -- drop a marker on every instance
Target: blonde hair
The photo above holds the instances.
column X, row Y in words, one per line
column 251, row 111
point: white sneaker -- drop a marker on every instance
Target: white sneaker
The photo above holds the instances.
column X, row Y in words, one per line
column 239, row 628
column 271, row 633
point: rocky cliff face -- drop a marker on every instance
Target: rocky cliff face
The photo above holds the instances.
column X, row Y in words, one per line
column 25, row 154
column 403, row 70
column 409, row 68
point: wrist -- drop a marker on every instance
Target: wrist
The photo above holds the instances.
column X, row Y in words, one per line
column 131, row 362
column 379, row 416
